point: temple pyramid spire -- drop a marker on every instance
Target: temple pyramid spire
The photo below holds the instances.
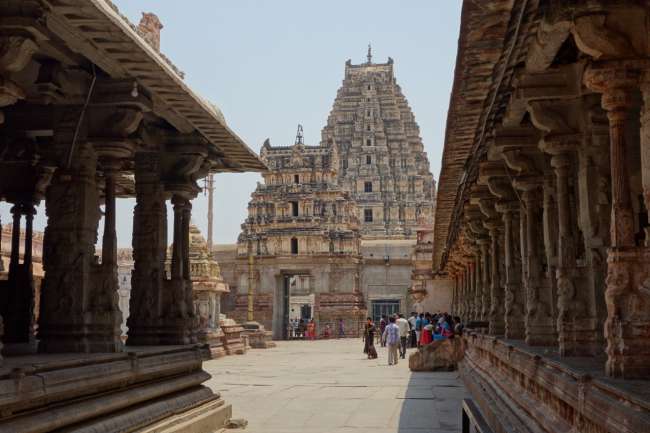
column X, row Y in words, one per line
column 381, row 156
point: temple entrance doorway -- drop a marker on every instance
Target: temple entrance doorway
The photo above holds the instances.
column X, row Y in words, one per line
column 384, row 307
column 297, row 304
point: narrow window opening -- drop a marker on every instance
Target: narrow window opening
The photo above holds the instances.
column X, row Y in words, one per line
column 367, row 186
column 367, row 215
column 294, row 246
column 296, row 178
column 294, row 208
column 368, row 159
column 368, row 142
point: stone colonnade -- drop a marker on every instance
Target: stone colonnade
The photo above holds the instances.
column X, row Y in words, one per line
column 79, row 301
column 554, row 247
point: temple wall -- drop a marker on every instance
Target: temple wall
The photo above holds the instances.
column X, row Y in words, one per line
column 439, row 296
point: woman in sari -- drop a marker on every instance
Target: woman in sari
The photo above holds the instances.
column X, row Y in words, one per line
column 311, row 330
column 426, row 335
column 369, row 339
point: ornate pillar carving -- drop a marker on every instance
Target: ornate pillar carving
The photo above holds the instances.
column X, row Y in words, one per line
column 78, row 312
column 645, row 148
column 577, row 328
column 496, row 314
column 485, row 278
column 514, row 293
column 627, row 328
column 180, row 323
column 540, row 328
column 149, row 252
column 478, row 275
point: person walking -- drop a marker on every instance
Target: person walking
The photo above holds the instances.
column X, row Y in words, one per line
column 390, row 337
column 341, row 329
column 403, row 326
column 382, row 328
column 413, row 341
column 369, row 339
column 418, row 328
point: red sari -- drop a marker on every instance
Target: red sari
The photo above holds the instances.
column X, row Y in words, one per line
column 311, row 330
column 426, row 336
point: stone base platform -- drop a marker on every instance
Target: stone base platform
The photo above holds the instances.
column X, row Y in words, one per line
column 258, row 336
column 532, row 389
column 214, row 339
column 233, row 341
column 108, row 393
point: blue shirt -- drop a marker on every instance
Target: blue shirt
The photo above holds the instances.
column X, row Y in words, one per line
column 391, row 334
column 418, row 324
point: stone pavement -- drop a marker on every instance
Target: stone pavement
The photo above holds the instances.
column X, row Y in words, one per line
column 329, row 386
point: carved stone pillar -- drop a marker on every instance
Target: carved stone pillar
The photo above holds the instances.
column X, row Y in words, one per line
column 540, row 328
column 485, row 278
column 478, row 293
column 19, row 308
column 627, row 329
column 180, row 324
column 514, row 293
column 149, row 251
column 550, row 244
column 577, row 327
column 78, row 311
column 473, row 298
column 461, row 293
column 496, row 314
column 645, row 148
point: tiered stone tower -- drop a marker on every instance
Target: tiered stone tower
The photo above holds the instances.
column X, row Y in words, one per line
column 300, row 245
column 300, row 209
column 382, row 159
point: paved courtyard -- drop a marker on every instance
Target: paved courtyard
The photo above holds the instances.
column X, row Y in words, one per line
column 329, row 386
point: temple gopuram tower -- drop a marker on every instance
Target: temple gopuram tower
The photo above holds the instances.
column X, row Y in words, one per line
column 299, row 251
column 382, row 161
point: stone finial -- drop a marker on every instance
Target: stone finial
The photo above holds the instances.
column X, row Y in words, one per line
column 149, row 28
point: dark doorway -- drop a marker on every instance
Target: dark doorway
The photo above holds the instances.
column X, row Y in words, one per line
column 384, row 307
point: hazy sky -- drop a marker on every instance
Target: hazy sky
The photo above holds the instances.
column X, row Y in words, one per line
column 271, row 64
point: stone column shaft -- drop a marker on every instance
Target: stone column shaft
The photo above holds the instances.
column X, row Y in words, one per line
column 109, row 240
column 149, row 251
column 540, row 329
column 627, row 328
column 29, row 234
column 485, row 280
column 79, row 301
column 577, row 332
column 15, row 238
column 514, row 320
column 496, row 290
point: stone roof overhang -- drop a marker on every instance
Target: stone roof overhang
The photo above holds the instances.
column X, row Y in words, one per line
column 96, row 30
column 492, row 36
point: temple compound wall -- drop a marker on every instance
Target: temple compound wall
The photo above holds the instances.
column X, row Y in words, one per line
column 542, row 216
column 90, row 112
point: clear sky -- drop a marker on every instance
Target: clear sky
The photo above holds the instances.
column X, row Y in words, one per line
column 271, row 64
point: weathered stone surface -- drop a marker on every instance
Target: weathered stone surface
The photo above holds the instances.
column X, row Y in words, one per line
column 381, row 156
column 442, row 355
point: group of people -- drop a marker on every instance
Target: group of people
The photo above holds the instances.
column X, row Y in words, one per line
column 397, row 333
column 301, row 329
column 432, row 327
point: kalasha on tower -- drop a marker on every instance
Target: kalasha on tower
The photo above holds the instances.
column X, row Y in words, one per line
column 382, row 159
